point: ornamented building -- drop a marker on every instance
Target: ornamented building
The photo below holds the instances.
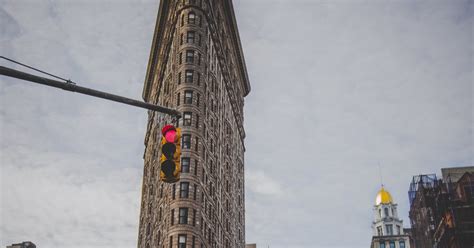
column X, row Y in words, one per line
column 387, row 227
column 197, row 66
column 442, row 210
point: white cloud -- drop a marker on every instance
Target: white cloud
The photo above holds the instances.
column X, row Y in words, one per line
column 258, row 182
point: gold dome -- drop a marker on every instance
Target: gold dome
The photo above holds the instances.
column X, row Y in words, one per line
column 383, row 197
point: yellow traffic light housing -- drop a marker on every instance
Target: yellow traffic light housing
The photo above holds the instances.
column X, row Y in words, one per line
column 170, row 160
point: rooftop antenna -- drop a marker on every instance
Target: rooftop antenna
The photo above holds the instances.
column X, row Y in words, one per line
column 380, row 174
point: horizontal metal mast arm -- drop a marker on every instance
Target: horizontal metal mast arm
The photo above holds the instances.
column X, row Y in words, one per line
column 83, row 90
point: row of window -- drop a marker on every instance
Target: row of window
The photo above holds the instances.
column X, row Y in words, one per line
column 188, row 98
column 184, row 190
column 188, row 118
column 186, row 164
column 190, row 55
column 183, row 216
column 388, row 230
column 186, row 142
column 190, row 38
column 191, row 19
column 182, row 240
column 386, row 212
column 189, row 77
column 391, row 244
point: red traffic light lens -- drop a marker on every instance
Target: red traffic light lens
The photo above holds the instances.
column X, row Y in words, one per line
column 170, row 136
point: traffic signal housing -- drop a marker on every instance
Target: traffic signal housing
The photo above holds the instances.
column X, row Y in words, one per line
column 170, row 160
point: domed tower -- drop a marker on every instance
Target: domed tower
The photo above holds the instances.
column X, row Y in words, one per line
column 387, row 226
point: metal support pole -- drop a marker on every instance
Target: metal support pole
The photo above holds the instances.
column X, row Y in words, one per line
column 69, row 86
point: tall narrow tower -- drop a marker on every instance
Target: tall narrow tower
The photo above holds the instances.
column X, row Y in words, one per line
column 387, row 226
column 197, row 66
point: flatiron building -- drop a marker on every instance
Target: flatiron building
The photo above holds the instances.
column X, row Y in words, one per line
column 196, row 66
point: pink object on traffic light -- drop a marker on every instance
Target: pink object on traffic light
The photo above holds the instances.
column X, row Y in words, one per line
column 170, row 136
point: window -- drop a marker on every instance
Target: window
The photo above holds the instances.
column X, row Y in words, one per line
column 178, row 99
column 398, row 230
column 191, row 18
column 194, row 217
column 190, row 37
column 182, row 241
column 189, row 56
column 193, row 245
column 188, row 97
column 181, row 38
column 186, row 142
column 198, row 98
column 392, row 244
column 379, row 231
column 187, row 118
column 386, row 212
column 171, row 241
column 197, row 144
column 172, row 216
column 197, row 121
column 380, row 213
column 174, row 191
column 199, row 58
column 199, row 40
column 180, row 58
column 184, row 190
column 195, row 168
column 382, row 244
column 198, row 78
column 402, row 244
column 389, row 229
column 185, row 161
column 195, row 191
column 179, row 78
column 183, row 216
column 189, row 76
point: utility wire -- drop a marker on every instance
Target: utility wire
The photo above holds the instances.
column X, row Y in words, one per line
column 70, row 86
column 35, row 69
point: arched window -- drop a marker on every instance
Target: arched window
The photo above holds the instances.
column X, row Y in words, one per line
column 191, row 18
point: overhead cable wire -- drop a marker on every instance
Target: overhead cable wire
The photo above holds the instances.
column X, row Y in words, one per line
column 38, row 70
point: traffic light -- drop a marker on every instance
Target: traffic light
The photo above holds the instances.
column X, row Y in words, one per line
column 170, row 160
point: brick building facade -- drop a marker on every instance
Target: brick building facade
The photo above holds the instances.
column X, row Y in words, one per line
column 197, row 66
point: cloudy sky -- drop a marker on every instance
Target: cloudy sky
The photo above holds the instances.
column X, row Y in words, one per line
column 338, row 87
